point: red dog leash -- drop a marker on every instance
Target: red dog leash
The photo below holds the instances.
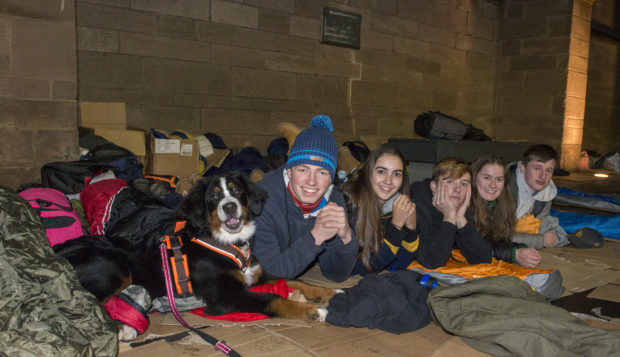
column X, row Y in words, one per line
column 219, row 345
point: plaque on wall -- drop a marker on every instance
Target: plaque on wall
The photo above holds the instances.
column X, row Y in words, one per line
column 341, row 28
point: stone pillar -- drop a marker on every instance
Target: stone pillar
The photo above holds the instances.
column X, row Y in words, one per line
column 577, row 78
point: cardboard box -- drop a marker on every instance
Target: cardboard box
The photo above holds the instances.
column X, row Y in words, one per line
column 178, row 157
column 103, row 115
column 132, row 140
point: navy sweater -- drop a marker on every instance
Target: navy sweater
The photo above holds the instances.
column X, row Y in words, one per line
column 283, row 243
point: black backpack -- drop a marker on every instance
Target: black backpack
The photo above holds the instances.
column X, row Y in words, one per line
column 127, row 165
column 68, row 176
column 436, row 125
column 359, row 150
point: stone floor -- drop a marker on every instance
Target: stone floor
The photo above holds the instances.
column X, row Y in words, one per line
column 582, row 269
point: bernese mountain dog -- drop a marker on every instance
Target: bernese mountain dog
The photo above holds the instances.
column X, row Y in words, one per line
column 214, row 224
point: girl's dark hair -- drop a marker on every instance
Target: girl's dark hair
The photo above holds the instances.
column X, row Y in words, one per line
column 497, row 224
column 365, row 208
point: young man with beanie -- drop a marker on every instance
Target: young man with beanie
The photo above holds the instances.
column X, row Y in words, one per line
column 533, row 190
column 304, row 219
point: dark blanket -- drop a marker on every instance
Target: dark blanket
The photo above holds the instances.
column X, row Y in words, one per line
column 394, row 302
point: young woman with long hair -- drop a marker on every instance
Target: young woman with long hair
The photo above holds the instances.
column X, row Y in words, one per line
column 380, row 211
column 492, row 209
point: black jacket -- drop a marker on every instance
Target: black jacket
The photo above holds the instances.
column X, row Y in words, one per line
column 437, row 237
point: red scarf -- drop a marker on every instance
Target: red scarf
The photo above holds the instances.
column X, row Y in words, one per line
column 305, row 209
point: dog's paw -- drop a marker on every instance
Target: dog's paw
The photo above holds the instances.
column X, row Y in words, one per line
column 322, row 314
column 252, row 274
column 126, row 333
column 338, row 291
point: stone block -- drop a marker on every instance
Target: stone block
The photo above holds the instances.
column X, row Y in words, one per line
column 437, row 36
column 373, row 73
column 178, row 27
column 533, row 62
column 27, row 114
column 13, row 177
column 287, row 6
column 532, row 9
column 5, row 37
column 186, row 77
column 478, row 60
column 473, row 44
column 444, row 100
column 575, row 107
column 524, row 105
column 450, row 18
column 115, row 18
column 289, row 63
column 574, row 123
column 322, row 89
column 238, row 56
column 16, row 147
column 211, row 101
column 56, row 145
column 305, row 27
column 337, row 68
column 272, row 105
column 580, row 29
column 64, row 90
column 94, row 94
column 227, row 121
column 422, row 65
column 543, row 46
column 576, row 84
column 273, row 21
column 297, row 45
column 514, row 10
column 393, row 126
column 310, row 9
column 510, row 47
column 89, row 39
column 234, row 35
column 579, row 48
column 415, row 48
column 168, row 118
column 521, row 28
column 378, row 41
column 24, row 87
column 109, row 71
column 117, row 3
column 163, row 47
column 558, row 26
column 263, row 84
column 545, row 82
column 234, row 14
column 48, row 10
column 448, row 55
column 577, row 64
column 336, row 52
column 420, row 11
column 388, row 7
column 196, row 9
column 398, row 75
column 394, row 25
column 44, row 49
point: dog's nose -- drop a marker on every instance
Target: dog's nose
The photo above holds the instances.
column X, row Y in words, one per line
column 230, row 208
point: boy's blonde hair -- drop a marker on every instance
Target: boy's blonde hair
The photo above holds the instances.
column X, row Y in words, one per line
column 450, row 167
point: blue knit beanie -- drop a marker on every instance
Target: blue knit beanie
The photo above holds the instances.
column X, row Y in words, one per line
column 315, row 146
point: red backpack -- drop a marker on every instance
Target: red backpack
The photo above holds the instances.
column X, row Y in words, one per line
column 59, row 219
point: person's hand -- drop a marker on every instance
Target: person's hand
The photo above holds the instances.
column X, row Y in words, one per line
column 402, row 210
column 550, row 238
column 331, row 221
column 412, row 220
column 443, row 203
column 461, row 221
column 528, row 257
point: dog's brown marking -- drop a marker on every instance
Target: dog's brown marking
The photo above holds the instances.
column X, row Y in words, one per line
column 214, row 221
column 124, row 284
column 288, row 309
column 313, row 292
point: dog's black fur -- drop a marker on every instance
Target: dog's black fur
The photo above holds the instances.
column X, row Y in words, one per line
column 222, row 207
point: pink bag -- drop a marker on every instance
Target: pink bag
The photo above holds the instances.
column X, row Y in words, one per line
column 59, row 219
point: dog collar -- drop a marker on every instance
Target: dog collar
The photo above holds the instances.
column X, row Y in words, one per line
column 230, row 251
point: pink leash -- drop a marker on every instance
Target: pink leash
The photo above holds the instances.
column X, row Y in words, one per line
column 219, row 345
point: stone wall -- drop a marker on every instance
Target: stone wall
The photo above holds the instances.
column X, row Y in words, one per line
column 602, row 124
column 534, row 40
column 38, row 87
column 237, row 68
